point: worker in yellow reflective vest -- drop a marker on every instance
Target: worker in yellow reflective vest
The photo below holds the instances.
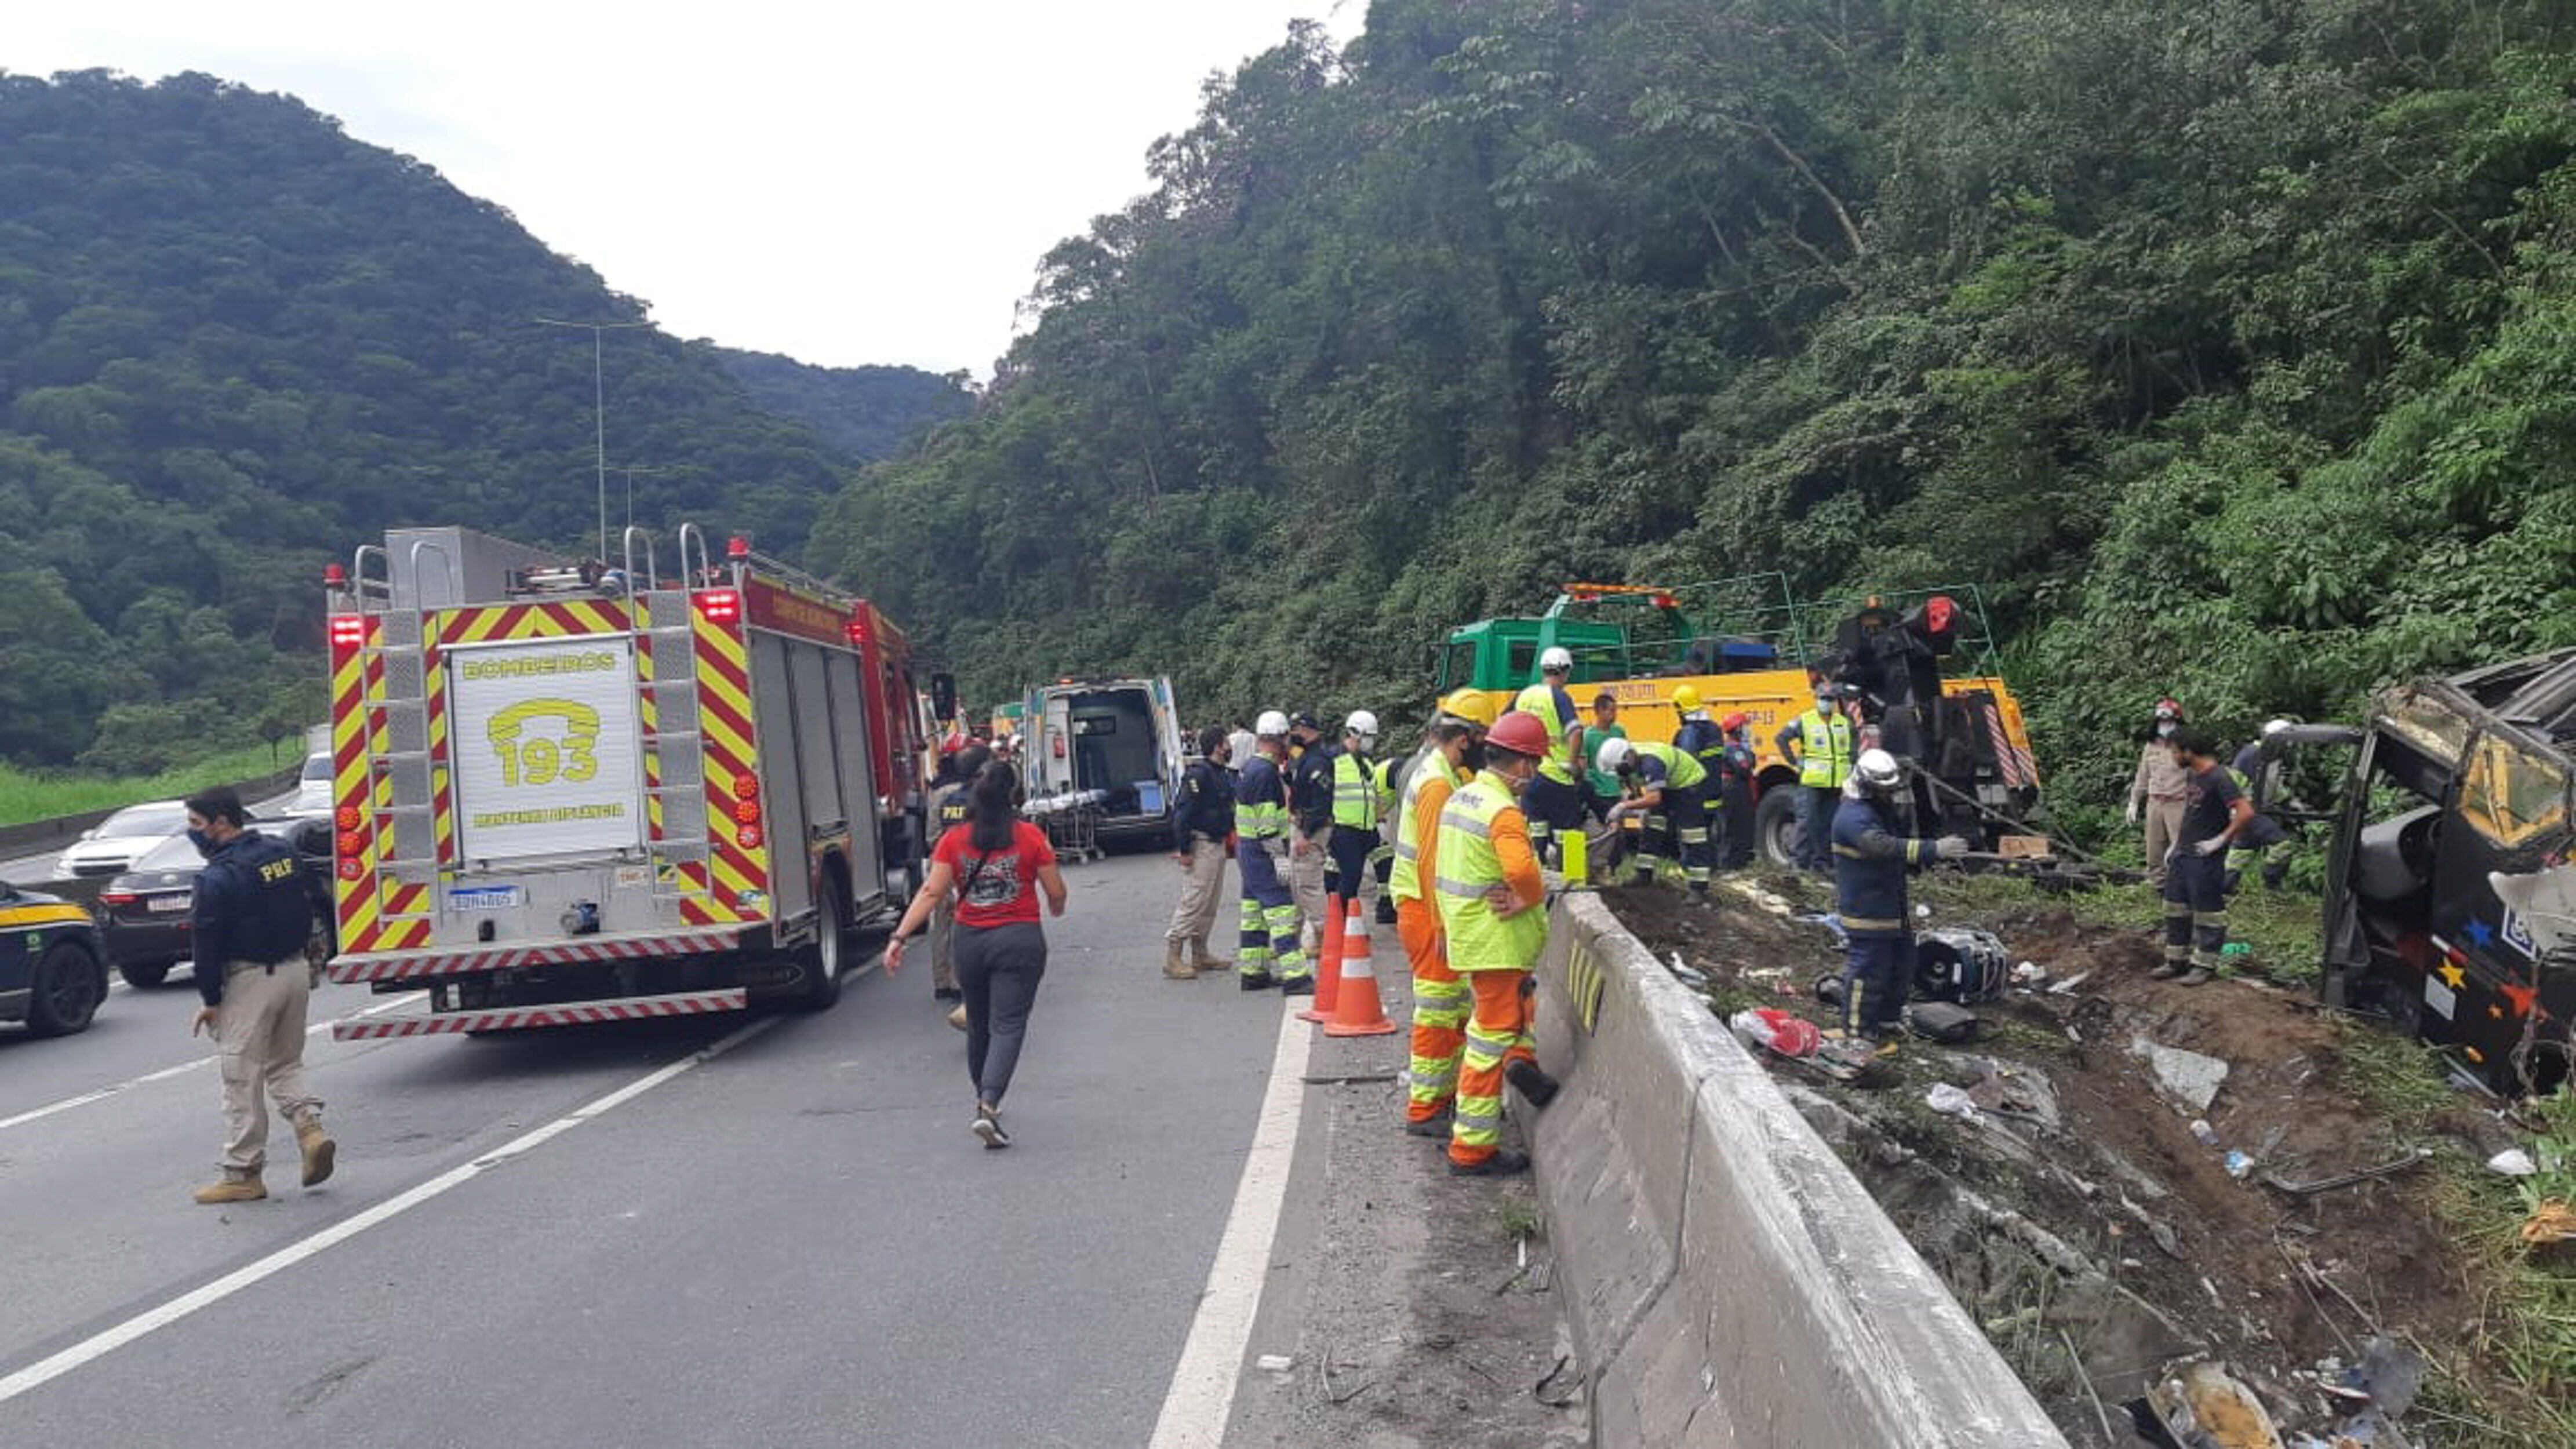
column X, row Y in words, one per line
column 1553, row 803
column 1819, row 743
column 1668, row 787
column 1485, row 874
column 1440, row 999
column 1355, row 808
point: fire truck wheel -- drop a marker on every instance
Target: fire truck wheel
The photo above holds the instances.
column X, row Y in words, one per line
column 824, row 960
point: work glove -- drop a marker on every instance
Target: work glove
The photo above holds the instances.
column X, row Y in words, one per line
column 2209, row 847
column 2133, row 810
column 1949, row 847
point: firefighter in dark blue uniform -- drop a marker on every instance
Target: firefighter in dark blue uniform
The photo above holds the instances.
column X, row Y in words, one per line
column 1870, row 862
column 253, row 918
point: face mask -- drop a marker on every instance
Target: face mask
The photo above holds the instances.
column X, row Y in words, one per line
column 1825, row 702
column 205, row 843
column 1473, row 756
column 2164, row 729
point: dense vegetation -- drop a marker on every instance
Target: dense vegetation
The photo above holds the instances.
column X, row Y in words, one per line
column 2227, row 343
column 866, row 412
column 234, row 343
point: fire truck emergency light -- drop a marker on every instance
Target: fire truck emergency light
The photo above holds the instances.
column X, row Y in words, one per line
column 348, row 631
column 721, row 606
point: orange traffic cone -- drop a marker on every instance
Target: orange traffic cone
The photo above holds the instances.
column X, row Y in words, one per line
column 1356, row 1009
column 1328, row 963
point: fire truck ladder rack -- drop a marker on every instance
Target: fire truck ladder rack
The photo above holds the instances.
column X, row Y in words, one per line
column 397, row 735
column 668, row 694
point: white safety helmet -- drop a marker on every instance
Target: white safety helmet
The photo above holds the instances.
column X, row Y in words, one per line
column 2273, row 727
column 1361, row 723
column 1615, row 752
column 1877, row 770
column 1272, row 725
column 1556, row 659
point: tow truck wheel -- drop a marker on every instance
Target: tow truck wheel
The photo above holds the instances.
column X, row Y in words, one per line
column 824, row 959
column 1775, row 825
column 69, row 985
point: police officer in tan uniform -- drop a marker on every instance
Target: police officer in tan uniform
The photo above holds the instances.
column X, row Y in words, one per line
column 253, row 915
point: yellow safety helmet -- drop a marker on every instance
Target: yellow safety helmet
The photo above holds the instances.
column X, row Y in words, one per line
column 1469, row 705
column 1685, row 699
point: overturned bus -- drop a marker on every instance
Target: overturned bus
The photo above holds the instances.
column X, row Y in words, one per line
column 2450, row 903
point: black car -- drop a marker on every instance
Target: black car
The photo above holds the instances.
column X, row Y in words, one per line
column 143, row 914
column 50, row 975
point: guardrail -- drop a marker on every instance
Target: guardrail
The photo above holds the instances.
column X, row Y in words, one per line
column 1730, row 1282
column 58, row 833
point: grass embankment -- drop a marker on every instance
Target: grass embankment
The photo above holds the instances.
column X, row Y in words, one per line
column 25, row 796
column 2512, row 1381
column 2512, row 1378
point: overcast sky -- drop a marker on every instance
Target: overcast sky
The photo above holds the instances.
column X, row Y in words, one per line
column 867, row 182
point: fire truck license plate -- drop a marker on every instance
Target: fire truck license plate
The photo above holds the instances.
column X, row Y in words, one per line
column 485, row 898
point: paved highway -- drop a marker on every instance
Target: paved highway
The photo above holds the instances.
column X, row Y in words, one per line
column 767, row 1230
column 35, row 870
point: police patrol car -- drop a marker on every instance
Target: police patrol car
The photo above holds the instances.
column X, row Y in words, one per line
column 52, row 973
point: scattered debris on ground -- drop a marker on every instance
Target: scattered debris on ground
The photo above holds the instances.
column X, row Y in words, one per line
column 2172, row 1208
column 1426, row 1313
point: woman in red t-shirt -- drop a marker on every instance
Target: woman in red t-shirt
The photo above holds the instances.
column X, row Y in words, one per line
column 995, row 863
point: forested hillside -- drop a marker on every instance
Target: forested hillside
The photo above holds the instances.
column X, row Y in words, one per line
column 2229, row 344
column 866, row 412
column 235, row 342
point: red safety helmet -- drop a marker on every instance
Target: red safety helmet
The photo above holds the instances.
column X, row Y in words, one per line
column 1735, row 721
column 2168, row 709
column 1520, row 732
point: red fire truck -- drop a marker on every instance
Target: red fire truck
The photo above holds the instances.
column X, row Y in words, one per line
column 567, row 791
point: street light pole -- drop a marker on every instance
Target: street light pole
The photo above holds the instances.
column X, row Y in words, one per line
column 599, row 408
column 630, row 487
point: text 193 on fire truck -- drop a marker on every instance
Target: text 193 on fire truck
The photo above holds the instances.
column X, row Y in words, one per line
column 577, row 792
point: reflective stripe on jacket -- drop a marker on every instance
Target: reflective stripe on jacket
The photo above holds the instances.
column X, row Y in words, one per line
column 1682, row 770
column 1354, row 792
column 1260, row 802
column 1484, row 842
column 1555, row 709
column 1406, row 883
column 1824, row 749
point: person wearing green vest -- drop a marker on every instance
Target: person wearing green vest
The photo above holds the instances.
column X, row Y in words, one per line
column 1819, row 744
column 1554, row 801
column 1602, row 787
column 1485, row 873
column 1355, row 808
column 1670, row 788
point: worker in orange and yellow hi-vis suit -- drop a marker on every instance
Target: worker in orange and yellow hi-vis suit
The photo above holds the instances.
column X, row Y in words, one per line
column 1486, row 878
column 1440, row 999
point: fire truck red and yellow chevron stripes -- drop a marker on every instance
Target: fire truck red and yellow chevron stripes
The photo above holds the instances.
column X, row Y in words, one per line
column 403, row 908
column 557, row 619
column 442, row 799
column 571, row 1013
column 415, row 966
column 737, row 849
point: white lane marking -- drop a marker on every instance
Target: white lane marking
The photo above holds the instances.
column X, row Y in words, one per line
column 166, row 1073
column 36, row 1375
column 1201, row 1398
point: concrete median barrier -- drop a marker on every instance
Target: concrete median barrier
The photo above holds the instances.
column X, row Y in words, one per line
column 1729, row 1281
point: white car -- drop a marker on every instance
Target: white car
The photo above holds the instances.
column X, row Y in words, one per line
column 113, row 845
column 312, row 787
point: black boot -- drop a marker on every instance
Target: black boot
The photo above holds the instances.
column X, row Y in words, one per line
column 1536, row 1085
